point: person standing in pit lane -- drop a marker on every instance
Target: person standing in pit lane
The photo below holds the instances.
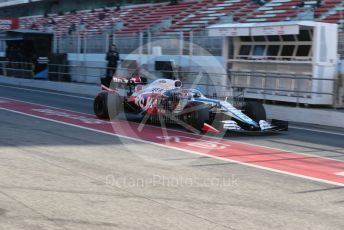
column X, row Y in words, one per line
column 112, row 58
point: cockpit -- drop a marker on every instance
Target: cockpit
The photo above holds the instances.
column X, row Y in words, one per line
column 166, row 84
column 183, row 93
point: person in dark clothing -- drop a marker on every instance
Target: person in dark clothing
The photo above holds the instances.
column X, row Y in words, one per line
column 118, row 7
column 112, row 58
column 301, row 4
column 173, row 2
column 259, row 2
column 51, row 21
column 101, row 16
column 72, row 29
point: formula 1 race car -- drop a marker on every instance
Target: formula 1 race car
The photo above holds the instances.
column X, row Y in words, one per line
column 164, row 101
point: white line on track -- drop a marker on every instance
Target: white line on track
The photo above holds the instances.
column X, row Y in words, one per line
column 47, row 92
column 89, row 98
column 49, row 106
column 340, row 174
column 179, row 149
column 317, row 130
column 183, row 132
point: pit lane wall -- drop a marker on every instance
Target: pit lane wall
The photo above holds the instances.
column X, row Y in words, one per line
column 88, row 68
column 327, row 117
column 204, row 64
column 207, row 71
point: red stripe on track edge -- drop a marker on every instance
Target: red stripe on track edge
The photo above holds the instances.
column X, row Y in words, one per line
column 306, row 166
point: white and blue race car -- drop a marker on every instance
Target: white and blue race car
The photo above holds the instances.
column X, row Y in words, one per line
column 165, row 101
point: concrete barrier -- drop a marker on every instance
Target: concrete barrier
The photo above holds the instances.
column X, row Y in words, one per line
column 328, row 117
column 67, row 87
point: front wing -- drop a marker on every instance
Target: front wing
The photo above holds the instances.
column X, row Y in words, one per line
column 265, row 127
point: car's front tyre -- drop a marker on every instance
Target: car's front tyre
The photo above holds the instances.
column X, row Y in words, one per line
column 198, row 116
column 255, row 110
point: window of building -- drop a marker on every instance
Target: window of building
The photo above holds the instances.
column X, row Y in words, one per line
column 288, row 38
column 273, row 50
column 259, row 38
column 245, row 39
column 287, row 50
column 304, row 35
column 245, row 50
column 273, row 38
column 258, row 50
column 303, row 50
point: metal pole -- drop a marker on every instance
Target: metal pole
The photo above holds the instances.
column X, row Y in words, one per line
column 107, row 42
column 181, row 47
column 140, row 47
column 60, row 45
column 55, row 44
column 78, row 46
column 149, row 44
column 85, row 44
column 298, row 95
column 190, row 49
column 181, row 43
column 84, row 66
column 264, row 91
column 335, row 96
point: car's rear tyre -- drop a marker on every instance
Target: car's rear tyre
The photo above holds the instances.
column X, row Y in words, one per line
column 255, row 110
column 107, row 105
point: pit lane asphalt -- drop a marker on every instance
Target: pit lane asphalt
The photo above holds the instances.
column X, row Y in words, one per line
column 54, row 176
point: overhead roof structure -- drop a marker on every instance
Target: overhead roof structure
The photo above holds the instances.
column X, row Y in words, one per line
column 260, row 29
column 21, row 34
